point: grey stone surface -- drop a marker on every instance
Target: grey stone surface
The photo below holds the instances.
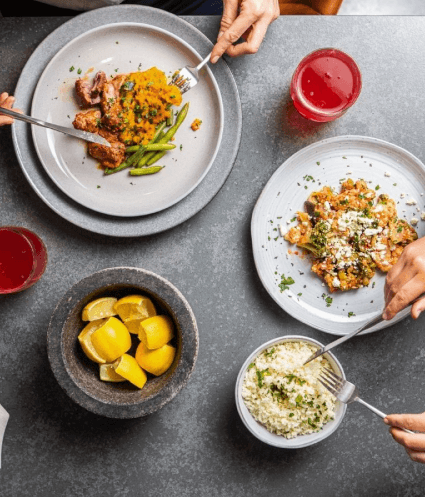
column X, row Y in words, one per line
column 196, row 444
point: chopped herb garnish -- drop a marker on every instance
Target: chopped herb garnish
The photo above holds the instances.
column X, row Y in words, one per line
column 71, row 68
column 79, row 71
column 377, row 187
column 351, row 314
column 285, row 282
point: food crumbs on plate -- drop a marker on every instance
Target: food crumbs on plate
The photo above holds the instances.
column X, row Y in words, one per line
column 196, row 124
column 98, row 186
column 285, row 396
column 414, row 221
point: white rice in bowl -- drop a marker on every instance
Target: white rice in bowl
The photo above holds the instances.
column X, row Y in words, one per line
column 284, row 395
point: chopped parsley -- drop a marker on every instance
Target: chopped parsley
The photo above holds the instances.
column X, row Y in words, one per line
column 71, row 68
column 285, row 282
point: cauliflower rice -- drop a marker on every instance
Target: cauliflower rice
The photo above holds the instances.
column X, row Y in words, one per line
column 285, row 396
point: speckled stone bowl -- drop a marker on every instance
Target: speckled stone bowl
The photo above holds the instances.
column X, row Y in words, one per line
column 79, row 376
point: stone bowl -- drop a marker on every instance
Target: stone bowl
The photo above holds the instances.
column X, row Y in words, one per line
column 79, row 376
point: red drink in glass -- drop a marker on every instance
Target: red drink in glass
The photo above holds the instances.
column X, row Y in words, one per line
column 325, row 84
column 23, row 259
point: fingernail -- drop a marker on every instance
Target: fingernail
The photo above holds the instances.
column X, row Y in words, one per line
column 386, row 421
column 385, row 315
column 214, row 59
column 219, row 35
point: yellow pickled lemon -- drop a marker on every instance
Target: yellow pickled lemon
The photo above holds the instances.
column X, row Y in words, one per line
column 111, row 340
column 127, row 367
column 134, row 307
column 133, row 325
column 99, row 309
column 156, row 331
column 108, row 373
column 155, row 361
column 85, row 340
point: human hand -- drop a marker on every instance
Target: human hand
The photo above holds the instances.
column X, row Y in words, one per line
column 414, row 444
column 239, row 16
column 406, row 281
column 7, row 101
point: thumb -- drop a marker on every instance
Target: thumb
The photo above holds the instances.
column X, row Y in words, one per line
column 414, row 422
column 417, row 308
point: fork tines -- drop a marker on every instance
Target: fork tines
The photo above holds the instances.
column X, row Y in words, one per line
column 330, row 381
column 181, row 82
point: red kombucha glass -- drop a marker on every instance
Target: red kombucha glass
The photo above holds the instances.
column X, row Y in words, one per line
column 23, row 259
column 325, row 84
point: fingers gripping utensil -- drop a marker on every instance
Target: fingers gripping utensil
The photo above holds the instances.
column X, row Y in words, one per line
column 188, row 77
column 377, row 319
column 83, row 135
column 346, row 392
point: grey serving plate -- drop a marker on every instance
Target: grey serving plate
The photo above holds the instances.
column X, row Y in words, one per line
column 95, row 221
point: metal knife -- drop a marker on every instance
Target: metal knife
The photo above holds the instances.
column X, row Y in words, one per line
column 377, row 319
column 76, row 133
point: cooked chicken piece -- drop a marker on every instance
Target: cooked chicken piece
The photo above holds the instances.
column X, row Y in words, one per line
column 108, row 156
column 90, row 93
column 87, row 121
column 110, row 102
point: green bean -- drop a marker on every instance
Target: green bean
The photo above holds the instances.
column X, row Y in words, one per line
column 169, row 134
column 155, row 158
column 122, row 166
column 158, row 131
column 142, row 171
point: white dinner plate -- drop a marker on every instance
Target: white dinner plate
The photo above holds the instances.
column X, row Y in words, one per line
column 122, row 48
column 397, row 173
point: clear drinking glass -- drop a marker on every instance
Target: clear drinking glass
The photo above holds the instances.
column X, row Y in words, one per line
column 325, row 85
column 23, row 259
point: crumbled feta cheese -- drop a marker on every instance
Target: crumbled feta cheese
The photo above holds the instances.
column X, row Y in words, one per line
column 414, row 221
column 411, row 201
column 423, row 216
column 336, row 283
column 387, row 174
column 281, row 230
column 402, row 195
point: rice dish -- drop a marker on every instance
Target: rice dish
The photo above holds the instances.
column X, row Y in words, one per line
column 284, row 395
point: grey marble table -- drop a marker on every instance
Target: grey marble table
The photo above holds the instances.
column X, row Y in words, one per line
column 196, row 445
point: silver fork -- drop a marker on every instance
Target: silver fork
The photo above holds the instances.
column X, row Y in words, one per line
column 346, row 392
column 188, row 77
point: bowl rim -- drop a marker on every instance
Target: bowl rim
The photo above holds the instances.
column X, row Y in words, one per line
column 135, row 277
column 256, row 428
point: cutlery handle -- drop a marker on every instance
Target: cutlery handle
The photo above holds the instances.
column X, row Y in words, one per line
column 83, row 135
column 202, row 64
column 379, row 413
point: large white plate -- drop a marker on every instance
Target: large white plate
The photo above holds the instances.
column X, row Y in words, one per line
column 327, row 162
column 120, row 48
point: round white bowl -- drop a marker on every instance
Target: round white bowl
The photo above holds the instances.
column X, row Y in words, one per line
column 259, row 431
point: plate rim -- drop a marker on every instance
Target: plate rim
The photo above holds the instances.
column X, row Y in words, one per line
column 90, row 221
column 304, row 317
column 58, row 54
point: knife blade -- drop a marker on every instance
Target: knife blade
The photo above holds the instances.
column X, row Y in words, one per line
column 76, row 133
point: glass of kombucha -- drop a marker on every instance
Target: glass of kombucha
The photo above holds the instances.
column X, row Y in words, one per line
column 325, row 84
column 23, row 259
